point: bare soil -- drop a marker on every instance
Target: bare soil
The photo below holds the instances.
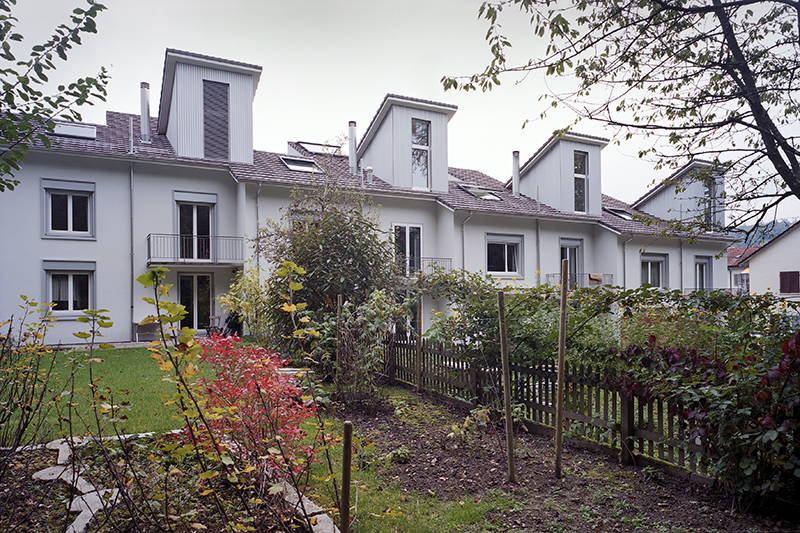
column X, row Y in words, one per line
column 595, row 494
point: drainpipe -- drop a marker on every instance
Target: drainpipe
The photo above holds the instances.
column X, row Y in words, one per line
column 132, row 253
column 625, row 262
column 463, row 242
column 241, row 206
column 258, row 229
column 538, row 255
column 680, row 262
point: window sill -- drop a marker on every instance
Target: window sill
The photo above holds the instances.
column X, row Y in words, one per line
column 66, row 316
column 506, row 275
column 68, row 237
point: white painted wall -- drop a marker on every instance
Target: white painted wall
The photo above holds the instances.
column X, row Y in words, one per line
column 684, row 201
column 781, row 256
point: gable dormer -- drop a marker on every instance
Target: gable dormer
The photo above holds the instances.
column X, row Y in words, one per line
column 565, row 174
column 406, row 143
column 206, row 107
column 691, row 192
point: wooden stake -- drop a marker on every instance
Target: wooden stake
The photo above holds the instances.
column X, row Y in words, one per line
column 347, row 459
column 418, row 353
column 562, row 343
column 501, row 312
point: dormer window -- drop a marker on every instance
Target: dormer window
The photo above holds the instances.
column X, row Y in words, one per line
column 216, row 128
column 621, row 213
column 420, row 154
column 581, row 164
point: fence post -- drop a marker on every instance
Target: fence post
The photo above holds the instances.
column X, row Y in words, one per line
column 347, row 457
column 391, row 370
column 626, row 431
column 501, row 315
column 418, row 353
column 562, row 340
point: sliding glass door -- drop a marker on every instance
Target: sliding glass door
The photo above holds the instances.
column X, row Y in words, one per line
column 194, row 224
column 195, row 295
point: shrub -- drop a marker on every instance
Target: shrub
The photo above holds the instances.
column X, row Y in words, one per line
column 255, row 407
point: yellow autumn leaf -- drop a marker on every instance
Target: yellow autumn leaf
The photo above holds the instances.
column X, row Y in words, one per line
column 289, row 308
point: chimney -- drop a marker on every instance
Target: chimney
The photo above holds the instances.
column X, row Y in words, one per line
column 351, row 151
column 144, row 121
column 368, row 175
column 515, row 173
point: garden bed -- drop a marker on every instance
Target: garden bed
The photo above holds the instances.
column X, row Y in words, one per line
column 596, row 494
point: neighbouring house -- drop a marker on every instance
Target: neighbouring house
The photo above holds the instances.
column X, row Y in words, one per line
column 740, row 273
column 186, row 189
column 774, row 267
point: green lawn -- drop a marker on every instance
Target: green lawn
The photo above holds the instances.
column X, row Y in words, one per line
column 122, row 369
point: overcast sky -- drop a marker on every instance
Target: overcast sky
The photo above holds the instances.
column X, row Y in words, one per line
column 326, row 62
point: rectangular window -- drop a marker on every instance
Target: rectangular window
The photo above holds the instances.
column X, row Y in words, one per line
column 408, row 246
column 572, row 251
column 69, row 291
column 195, row 294
column 790, row 282
column 742, row 282
column 216, row 129
column 194, row 225
column 580, row 195
column 503, row 255
column 654, row 270
column 702, row 273
column 68, row 212
column 581, row 162
column 420, row 154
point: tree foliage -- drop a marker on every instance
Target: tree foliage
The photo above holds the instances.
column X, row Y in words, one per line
column 28, row 108
column 713, row 80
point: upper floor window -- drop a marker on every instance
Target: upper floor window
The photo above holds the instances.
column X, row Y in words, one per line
column 216, row 130
column 503, row 255
column 194, row 224
column 654, row 270
column 408, row 247
column 581, row 166
column 68, row 209
column 708, row 202
column 790, row 282
column 420, row 154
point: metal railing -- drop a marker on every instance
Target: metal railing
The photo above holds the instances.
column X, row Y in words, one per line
column 176, row 249
column 581, row 279
column 425, row 265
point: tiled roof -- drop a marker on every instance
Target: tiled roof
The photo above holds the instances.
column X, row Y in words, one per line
column 737, row 254
column 212, row 58
column 640, row 227
column 759, row 249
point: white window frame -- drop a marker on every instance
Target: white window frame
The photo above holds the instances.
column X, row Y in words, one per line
column 70, row 287
column 195, row 236
column 407, row 226
column 663, row 261
column 584, row 178
column 70, row 189
column 515, row 240
column 426, row 148
column 212, row 297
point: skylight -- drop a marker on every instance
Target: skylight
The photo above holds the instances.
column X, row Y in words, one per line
column 621, row 213
column 483, row 194
column 321, row 148
column 80, row 131
column 301, row 165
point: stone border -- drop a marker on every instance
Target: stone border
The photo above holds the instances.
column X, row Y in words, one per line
column 93, row 499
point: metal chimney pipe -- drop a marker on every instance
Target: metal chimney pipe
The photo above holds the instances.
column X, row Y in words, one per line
column 515, row 173
column 144, row 120
column 351, row 151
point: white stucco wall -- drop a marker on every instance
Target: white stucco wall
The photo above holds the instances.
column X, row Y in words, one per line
column 782, row 255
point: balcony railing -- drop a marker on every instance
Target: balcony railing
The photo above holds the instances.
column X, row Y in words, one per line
column 581, row 280
column 425, row 265
column 180, row 249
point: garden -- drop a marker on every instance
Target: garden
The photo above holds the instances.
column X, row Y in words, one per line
column 647, row 411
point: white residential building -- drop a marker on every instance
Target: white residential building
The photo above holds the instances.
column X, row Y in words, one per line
column 185, row 189
column 774, row 267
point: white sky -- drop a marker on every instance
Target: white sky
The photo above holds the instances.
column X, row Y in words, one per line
column 329, row 61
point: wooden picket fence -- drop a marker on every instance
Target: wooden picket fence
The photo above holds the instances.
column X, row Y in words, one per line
column 654, row 431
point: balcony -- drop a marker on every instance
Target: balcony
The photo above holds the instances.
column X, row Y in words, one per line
column 581, row 280
column 173, row 249
column 423, row 265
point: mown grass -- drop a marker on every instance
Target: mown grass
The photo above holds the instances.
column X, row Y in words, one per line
column 131, row 375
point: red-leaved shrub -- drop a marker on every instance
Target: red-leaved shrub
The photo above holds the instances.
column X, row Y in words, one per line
column 254, row 409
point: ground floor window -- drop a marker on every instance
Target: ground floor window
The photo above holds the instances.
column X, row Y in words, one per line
column 790, row 282
column 69, row 291
column 702, row 273
column 654, row 270
column 195, row 294
column 503, row 254
column 742, row 282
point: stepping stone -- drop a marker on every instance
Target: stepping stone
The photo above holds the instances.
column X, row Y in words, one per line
column 88, row 505
column 67, row 474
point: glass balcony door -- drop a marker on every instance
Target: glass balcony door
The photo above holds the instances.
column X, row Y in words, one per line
column 408, row 246
column 195, row 295
column 194, row 226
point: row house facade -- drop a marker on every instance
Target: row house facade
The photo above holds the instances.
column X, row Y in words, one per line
column 185, row 189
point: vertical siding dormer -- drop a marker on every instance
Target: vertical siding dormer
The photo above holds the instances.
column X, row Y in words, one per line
column 406, row 143
column 206, row 107
column 565, row 174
